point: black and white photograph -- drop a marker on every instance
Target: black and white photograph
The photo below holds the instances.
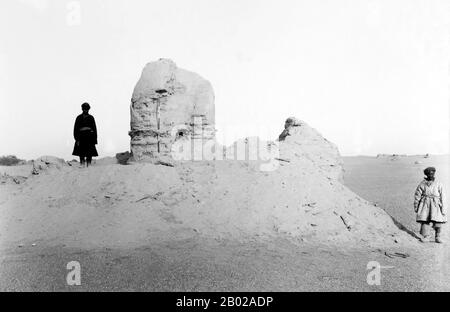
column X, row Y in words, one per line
column 224, row 151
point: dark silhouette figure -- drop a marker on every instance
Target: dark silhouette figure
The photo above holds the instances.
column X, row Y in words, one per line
column 85, row 134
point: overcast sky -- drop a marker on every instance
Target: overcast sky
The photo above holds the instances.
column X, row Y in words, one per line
column 371, row 76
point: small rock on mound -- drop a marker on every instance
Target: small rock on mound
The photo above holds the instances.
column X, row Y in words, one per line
column 8, row 179
column 46, row 162
column 123, row 158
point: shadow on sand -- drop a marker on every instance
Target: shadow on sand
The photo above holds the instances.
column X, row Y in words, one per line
column 404, row 228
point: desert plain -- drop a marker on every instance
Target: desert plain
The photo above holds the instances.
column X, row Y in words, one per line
column 122, row 250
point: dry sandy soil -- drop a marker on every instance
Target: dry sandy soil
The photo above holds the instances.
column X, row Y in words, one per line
column 159, row 245
column 390, row 182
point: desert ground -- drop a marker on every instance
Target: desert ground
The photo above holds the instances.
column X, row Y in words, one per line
column 122, row 249
column 390, row 183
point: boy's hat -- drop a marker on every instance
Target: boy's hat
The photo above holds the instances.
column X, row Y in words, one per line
column 429, row 170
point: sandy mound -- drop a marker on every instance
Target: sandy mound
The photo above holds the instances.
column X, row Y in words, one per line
column 115, row 205
column 301, row 143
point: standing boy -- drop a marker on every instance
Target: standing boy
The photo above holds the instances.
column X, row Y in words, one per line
column 429, row 205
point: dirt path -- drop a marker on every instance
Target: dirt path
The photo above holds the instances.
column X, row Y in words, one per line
column 194, row 263
column 436, row 268
column 203, row 265
column 391, row 184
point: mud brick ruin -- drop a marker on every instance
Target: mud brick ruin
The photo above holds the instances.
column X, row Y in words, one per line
column 169, row 104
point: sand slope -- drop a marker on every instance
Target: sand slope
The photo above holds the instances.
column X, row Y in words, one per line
column 116, row 205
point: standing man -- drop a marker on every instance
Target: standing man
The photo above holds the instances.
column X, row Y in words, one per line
column 85, row 135
column 430, row 206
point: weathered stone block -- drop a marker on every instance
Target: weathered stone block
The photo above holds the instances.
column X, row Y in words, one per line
column 167, row 98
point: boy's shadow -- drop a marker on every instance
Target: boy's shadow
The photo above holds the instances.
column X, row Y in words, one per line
column 404, row 228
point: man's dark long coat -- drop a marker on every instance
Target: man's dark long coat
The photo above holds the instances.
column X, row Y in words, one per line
column 87, row 138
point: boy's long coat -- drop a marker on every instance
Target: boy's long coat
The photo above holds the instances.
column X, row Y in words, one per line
column 429, row 202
